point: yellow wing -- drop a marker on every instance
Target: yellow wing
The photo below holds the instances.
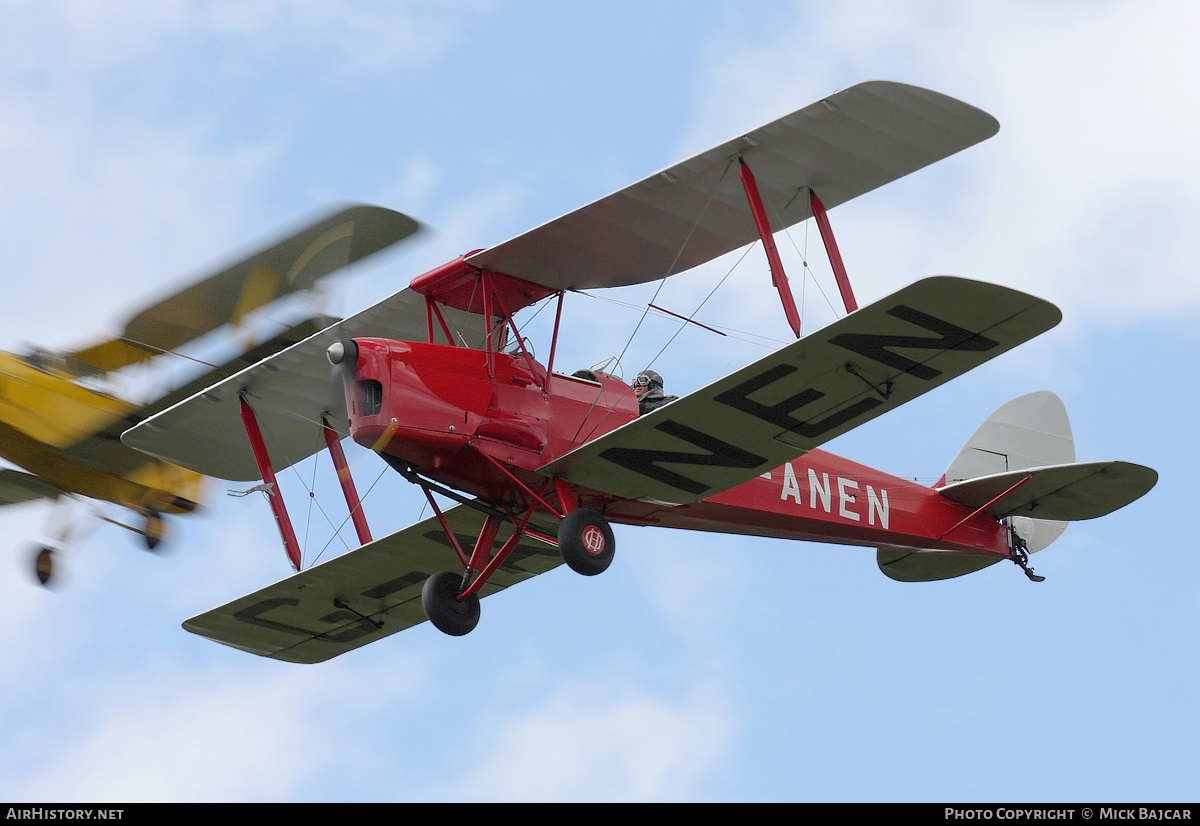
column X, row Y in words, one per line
column 292, row 265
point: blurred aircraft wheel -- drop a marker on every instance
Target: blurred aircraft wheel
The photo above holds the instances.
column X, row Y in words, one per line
column 449, row 614
column 156, row 529
column 44, row 565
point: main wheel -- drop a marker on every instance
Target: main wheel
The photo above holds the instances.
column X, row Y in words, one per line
column 449, row 614
column 156, row 529
column 44, row 565
column 586, row 542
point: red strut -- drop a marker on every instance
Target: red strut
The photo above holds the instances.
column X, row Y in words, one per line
column 778, row 276
column 274, row 494
column 334, row 442
column 831, row 249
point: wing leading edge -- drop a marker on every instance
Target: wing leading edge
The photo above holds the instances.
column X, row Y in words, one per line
column 292, row 265
column 291, row 392
column 808, row 392
column 842, row 146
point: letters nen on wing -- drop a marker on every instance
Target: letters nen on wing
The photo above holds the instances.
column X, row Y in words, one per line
column 786, row 377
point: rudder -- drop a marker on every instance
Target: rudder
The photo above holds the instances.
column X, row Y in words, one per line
column 1030, row 431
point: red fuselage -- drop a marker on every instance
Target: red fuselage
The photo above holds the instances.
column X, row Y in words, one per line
column 440, row 409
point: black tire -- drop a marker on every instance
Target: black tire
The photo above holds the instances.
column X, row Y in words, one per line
column 449, row 614
column 586, row 542
column 156, row 529
column 43, row 566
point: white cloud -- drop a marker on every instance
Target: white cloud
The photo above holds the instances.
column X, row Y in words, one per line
column 352, row 38
column 242, row 739
column 584, row 743
column 125, row 161
column 1084, row 196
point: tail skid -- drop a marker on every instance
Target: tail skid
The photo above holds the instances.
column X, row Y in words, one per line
column 1019, row 467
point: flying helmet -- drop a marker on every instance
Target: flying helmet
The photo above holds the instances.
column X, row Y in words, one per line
column 648, row 378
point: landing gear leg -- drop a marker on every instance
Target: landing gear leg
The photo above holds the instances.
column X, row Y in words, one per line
column 47, row 560
column 451, row 601
column 1018, row 553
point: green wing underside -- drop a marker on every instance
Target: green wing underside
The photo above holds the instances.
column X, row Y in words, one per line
column 363, row 595
column 17, row 487
column 842, row 146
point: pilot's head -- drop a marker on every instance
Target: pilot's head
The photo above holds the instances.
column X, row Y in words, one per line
column 646, row 380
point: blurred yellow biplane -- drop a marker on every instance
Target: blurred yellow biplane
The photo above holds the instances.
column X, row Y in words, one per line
column 61, row 419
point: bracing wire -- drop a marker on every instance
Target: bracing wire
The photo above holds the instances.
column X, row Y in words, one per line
column 700, row 306
column 662, row 281
column 338, row 531
column 312, row 497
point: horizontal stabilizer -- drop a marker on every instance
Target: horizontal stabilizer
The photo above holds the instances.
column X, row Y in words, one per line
column 808, row 392
column 928, row 566
column 363, row 595
column 1080, row 490
column 17, row 487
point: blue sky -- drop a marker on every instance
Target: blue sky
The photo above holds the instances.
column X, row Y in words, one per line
column 142, row 143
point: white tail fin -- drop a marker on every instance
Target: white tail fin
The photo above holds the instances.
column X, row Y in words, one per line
column 1021, row 462
column 1027, row 432
column 1030, row 431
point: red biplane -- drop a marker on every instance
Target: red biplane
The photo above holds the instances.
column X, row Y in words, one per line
column 540, row 463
